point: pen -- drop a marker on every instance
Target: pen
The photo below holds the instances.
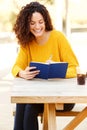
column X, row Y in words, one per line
column 50, row 58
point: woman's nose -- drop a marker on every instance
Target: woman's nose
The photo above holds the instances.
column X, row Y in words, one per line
column 37, row 25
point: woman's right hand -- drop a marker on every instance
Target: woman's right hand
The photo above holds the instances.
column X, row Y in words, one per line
column 28, row 73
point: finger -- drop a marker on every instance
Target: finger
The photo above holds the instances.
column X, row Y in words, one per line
column 30, row 76
column 32, row 68
column 34, row 72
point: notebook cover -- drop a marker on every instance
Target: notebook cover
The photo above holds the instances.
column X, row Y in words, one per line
column 53, row 70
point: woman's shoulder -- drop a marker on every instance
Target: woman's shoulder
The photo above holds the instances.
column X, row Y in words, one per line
column 56, row 33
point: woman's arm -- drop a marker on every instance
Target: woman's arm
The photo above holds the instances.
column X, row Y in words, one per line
column 67, row 55
column 21, row 67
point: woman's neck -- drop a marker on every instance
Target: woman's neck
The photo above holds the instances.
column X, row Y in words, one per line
column 43, row 39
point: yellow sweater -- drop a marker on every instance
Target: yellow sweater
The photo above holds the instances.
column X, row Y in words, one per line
column 57, row 46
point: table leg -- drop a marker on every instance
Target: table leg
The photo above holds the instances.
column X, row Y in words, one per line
column 82, row 115
column 49, row 117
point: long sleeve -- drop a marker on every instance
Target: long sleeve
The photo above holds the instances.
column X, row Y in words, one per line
column 67, row 54
column 22, row 60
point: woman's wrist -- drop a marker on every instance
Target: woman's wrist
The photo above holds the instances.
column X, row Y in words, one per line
column 20, row 73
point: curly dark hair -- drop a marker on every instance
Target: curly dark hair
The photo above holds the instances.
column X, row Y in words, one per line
column 22, row 27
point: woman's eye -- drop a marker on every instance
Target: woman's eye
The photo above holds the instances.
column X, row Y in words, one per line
column 41, row 22
column 32, row 23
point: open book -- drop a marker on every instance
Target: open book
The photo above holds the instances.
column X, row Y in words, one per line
column 52, row 70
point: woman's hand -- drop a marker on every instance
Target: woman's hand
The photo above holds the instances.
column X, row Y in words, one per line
column 28, row 73
column 49, row 61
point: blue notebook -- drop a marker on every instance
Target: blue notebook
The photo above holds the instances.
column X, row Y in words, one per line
column 52, row 70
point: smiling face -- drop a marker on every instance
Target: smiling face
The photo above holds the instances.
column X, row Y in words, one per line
column 37, row 25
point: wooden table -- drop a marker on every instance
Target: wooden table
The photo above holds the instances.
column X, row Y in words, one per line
column 51, row 92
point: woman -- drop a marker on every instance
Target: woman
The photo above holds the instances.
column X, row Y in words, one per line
column 38, row 40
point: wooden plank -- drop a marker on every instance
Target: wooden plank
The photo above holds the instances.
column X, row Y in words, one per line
column 59, row 106
column 67, row 113
column 48, row 99
column 76, row 121
column 49, row 118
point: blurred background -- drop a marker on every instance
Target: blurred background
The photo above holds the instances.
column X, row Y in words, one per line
column 68, row 16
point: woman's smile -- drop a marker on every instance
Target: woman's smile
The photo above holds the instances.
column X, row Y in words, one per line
column 37, row 25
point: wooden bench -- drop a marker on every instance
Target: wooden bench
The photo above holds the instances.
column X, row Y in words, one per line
column 73, row 113
column 59, row 107
column 68, row 113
